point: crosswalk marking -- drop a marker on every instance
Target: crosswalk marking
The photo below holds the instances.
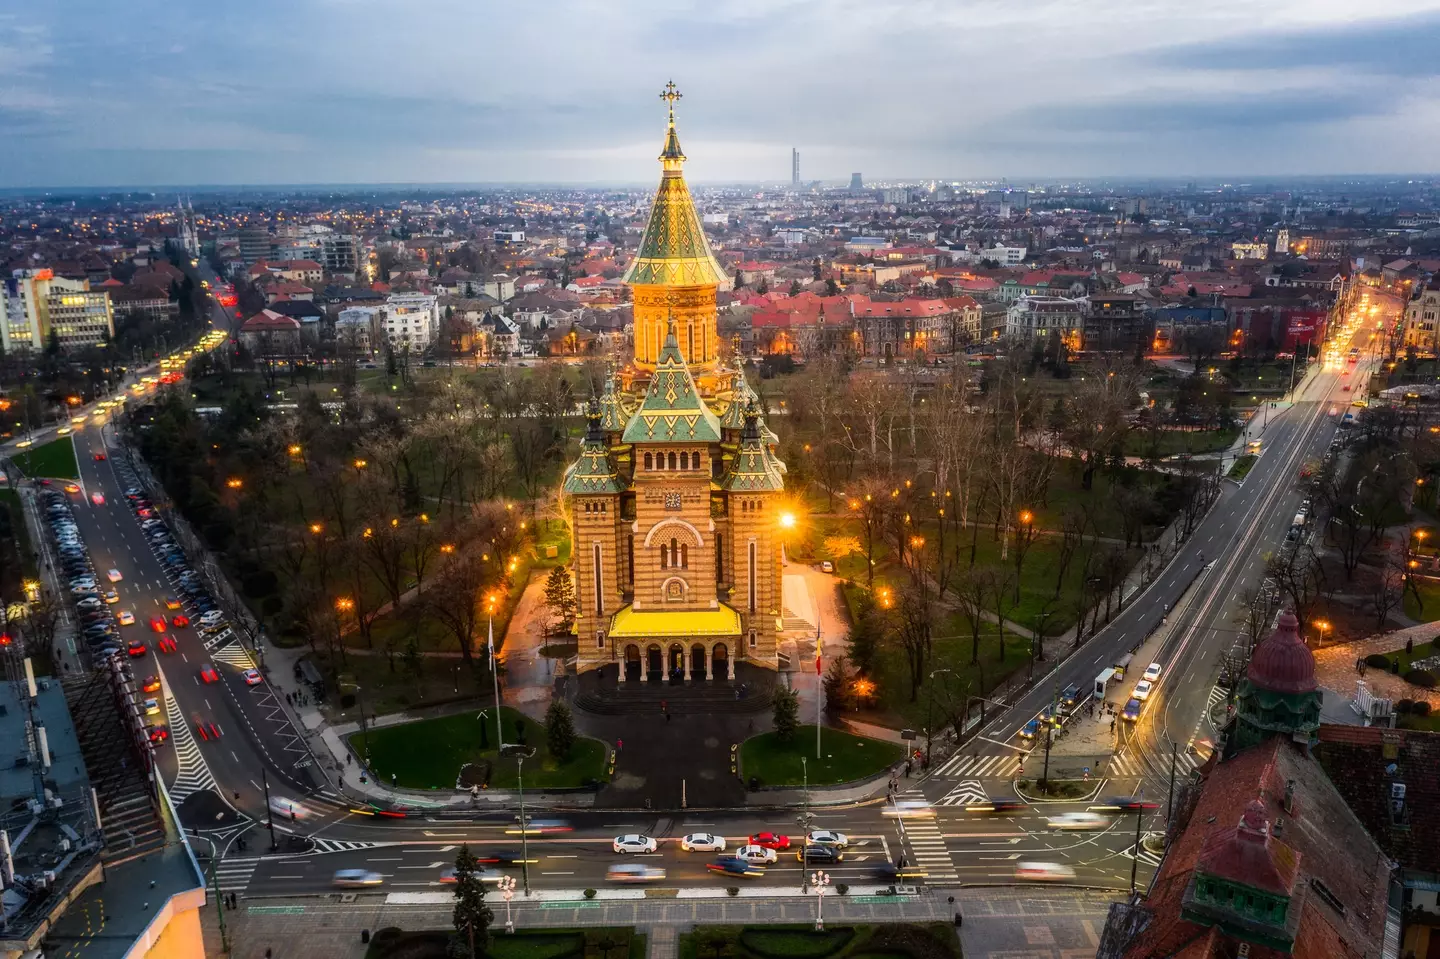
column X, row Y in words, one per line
column 233, row 875
column 192, row 772
column 982, row 767
column 344, row 845
column 965, row 792
column 233, row 655
column 1130, row 765
column 927, row 844
column 1217, row 695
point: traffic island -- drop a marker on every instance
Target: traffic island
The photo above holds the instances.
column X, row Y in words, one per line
column 430, row 754
column 55, row 460
column 1057, row 790
column 767, row 761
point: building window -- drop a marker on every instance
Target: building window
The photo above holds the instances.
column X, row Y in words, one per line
column 750, row 573
column 599, row 585
column 672, row 461
column 599, row 639
column 664, row 556
column 684, row 461
column 719, row 557
column 649, row 462
column 630, row 561
column 684, row 556
column 752, row 639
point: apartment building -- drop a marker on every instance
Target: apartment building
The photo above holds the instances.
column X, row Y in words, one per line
column 37, row 303
column 1422, row 315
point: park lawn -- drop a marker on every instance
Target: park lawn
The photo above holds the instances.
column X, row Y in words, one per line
column 19, row 562
column 843, row 757
column 1173, row 442
column 1243, row 465
column 428, row 753
column 1421, row 651
column 929, row 940
column 1428, row 609
column 55, row 460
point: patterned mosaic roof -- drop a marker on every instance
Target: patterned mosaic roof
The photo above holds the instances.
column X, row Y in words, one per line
column 593, row 473
column 672, row 411
column 674, row 251
column 613, row 414
column 754, row 470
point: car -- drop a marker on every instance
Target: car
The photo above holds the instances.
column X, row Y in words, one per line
column 1077, row 821
column 1124, row 804
column 211, row 617
column 99, row 457
column 770, row 840
column 757, row 855
column 289, row 808
column 1069, row 697
column 1142, row 690
column 1152, row 672
column 634, row 872
column 633, row 842
column 735, row 866
column 1000, row 805
column 72, row 488
column 1030, row 730
column 208, row 674
column 83, row 590
column 819, row 855
column 166, row 644
column 111, row 596
column 152, row 707
column 1345, row 388
column 157, row 623
column 484, row 875
column 703, row 842
column 826, row 566
column 180, row 620
column 91, row 602
column 827, row 837
column 125, row 617
column 354, row 878
column 889, row 873
column 137, row 647
column 64, row 431
column 158, row 734
column 252, row 677
column 171, row 602
column 1043, row 871
column 501, row 857
column 1131, row 712
column 150, row 685
column 98, row 499
column 910, row 809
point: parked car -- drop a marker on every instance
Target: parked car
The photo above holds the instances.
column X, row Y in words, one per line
column 819, row 855
column 770, row 840
column 757, row 855
column 634, row 843
column 703, row 842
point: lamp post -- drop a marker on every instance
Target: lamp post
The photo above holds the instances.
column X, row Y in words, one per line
column 506, row 885
column 524, row 826
column 1322, row 626
column 821, row 880
column 494, row 671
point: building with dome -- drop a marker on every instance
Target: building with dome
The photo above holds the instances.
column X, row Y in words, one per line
column 674, row 499
column 1279, row 694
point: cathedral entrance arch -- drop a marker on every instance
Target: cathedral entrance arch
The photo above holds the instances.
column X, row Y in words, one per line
column 677, row 662
column 631, row 665
column 654, row 665
column 720, row 662
column 697, row 662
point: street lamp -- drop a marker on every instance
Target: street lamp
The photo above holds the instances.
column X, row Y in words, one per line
column 1322, row 625
column 506, row 885
column 821, row 880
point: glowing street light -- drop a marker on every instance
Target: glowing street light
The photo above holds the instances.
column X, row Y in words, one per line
column 317, row 528
column 787, row 520
column 234, row 482
column 344, row 605
column 294, row 449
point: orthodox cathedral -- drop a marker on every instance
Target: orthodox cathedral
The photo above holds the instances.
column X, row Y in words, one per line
column 674, row 499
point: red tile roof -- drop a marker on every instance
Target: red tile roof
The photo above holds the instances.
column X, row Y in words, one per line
column 269, row 320
column 1282, row 663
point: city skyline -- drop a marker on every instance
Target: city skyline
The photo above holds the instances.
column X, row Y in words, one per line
column 333, row 93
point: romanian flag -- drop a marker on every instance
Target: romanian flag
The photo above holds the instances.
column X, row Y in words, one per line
column 817, row 651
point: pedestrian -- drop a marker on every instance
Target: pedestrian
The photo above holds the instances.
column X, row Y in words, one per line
column 664, row 705
column 619, row 745
column 907, row 768
column 667, row 715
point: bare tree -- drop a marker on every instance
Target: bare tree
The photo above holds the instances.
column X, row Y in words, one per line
column 1299, row 576
column 1386, row 589
column 914, row 628
column 456, row 601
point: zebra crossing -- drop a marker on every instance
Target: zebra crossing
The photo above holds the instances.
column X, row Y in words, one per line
column 1146, row 856
column 967, row 791
column 233, row 655
column 926, row 842
column 965, row 765
column 192, row 772
column 1132, row 766
column 1217, row 696
column 220, row 640
column 345, row 845
column 233, row 875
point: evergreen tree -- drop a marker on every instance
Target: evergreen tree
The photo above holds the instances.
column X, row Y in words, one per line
column 839, row 693
column 795, row 287
column 787, row 713
column 471, row 916
column 559, row 729
column 864, row 639
column 763, row 288
column 560, row 595
column 831, row 287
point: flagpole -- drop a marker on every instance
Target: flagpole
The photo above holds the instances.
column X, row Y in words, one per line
column 495, row 675
column 819, row 686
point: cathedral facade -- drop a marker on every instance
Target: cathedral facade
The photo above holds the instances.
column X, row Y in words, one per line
column 675, row 497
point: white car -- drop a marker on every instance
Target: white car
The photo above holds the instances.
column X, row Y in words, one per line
column 909, row 809
column 351, row 878
column 1141, row 691
column 1082, row 821
column 702, row 842
column 634, row 842
column 757, row 855
column 1152, row 673
column 211, row 617
column 114, row 576
column 825, row 837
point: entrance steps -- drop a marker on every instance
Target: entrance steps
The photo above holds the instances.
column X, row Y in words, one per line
column 633, row 698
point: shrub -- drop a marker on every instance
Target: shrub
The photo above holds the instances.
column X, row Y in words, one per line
column 1421, row 709
column 1421, row 677
column 1403, row 706
column 842, row 888
column 589, row 893
column 1378, row 661
column 732, row 891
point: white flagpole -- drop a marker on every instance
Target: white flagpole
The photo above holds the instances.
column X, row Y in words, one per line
column 495, row 676
column 819, row 685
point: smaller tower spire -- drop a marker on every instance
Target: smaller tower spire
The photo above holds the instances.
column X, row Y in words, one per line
column 671, row 157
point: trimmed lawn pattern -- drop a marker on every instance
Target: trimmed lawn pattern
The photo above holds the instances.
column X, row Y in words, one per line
column 843, row 757
column 55, row 460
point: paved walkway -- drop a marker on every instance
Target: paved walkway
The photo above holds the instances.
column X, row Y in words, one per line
column 1335, row 665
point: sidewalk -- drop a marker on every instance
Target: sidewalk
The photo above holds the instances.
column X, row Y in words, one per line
column 1335, row 666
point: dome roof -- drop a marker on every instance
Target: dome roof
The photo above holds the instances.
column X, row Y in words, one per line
column 1282, row 663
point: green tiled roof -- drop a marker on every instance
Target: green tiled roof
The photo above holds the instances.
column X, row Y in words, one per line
column 612, row 410
column 672, row 411
column 593, row 473
column 753, row 470
column 674, row 251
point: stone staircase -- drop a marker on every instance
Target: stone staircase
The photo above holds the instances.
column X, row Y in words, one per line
column 706, row 696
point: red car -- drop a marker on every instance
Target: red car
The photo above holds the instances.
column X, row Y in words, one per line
column 157, row 623
column 770, row 840
column 158, row 734
column 99, row 457
column 208, row 674
column 137, row 647
column 144, row 511
column 166, row 644
column 206, row 730
column 180, row 619
column 151, row 684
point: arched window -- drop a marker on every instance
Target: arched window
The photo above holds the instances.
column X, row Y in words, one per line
column 664, row 556
column 684, row 556
column 685, row 461
column 672, row 461
column 649, row 462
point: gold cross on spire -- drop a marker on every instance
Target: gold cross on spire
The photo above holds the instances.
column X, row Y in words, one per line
column 670, row 94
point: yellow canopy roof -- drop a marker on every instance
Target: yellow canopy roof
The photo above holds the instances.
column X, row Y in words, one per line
column 629, row 624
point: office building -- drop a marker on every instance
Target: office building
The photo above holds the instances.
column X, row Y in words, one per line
column 37, row 303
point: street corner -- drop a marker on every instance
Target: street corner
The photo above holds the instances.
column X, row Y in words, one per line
column 205, row 810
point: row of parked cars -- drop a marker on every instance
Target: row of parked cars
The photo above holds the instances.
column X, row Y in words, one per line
column 200, row 607
column 95, row 624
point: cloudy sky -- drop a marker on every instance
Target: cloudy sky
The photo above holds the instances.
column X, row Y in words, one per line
column 98, row 92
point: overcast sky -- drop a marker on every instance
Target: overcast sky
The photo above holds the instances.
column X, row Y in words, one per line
column 99, row 92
